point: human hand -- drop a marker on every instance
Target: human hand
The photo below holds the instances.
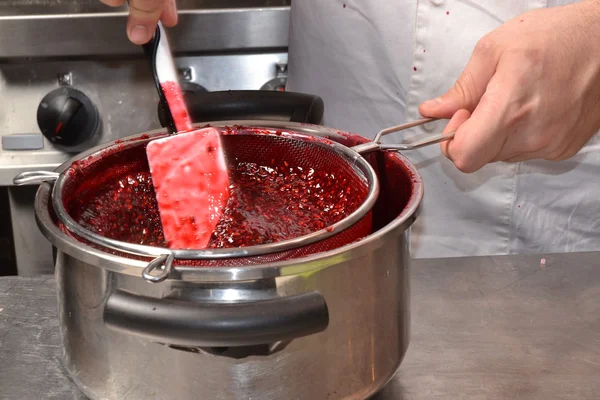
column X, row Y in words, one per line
column 531, row 90
column 144, row 16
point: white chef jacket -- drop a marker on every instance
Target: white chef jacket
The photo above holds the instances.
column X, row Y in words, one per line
column 374, row 61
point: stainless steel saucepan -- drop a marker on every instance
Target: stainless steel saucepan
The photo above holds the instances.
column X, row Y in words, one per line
column 332, row 325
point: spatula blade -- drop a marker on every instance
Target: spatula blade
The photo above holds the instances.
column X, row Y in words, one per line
column 191, row 181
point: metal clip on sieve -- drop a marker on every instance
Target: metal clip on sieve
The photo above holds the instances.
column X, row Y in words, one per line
column 163, row 263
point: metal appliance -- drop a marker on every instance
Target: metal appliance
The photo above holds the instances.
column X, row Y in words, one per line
column 70, row 61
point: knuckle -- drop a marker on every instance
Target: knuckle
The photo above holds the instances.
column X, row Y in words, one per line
column 533, row 55
column 464, row 87
column 147, row 7
column 523, row 112
column 528, row 55
column 485, row 45
column 496, row 89
column 493, row 103
column 463, row 164
column 460, row 87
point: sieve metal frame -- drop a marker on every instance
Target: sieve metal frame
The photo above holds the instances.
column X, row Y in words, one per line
column 163, row 255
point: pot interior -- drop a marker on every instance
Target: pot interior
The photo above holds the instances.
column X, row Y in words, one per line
column 119, row 181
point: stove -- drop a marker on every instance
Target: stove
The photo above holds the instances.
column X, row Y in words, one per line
column 70, row 61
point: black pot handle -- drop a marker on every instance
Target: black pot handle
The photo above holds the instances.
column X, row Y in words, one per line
column 252, row 105
column 185, row 323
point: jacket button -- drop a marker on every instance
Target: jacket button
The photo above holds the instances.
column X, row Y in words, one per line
column 437, row 2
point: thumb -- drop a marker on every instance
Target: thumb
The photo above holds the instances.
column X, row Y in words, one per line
column 470, row 86
column 143, row 17
column 480, row 139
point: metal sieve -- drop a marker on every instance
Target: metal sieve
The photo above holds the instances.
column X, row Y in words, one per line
column 256, row 143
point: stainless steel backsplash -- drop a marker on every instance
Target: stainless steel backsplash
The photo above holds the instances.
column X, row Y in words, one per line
column 53, row 7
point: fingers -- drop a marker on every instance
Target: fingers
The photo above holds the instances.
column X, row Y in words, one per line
column 481, row 137
column 457, row 120
column 169, row 15
column 144, row 16
column 470, row 86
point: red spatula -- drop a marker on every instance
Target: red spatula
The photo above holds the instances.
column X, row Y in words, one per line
column 188, row 168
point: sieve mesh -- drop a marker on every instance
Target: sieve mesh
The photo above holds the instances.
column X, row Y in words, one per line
column 126, row 218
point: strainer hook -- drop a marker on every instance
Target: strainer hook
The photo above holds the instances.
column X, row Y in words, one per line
column 164, row 263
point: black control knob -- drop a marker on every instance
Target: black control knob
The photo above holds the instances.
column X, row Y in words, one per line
column 67, row 117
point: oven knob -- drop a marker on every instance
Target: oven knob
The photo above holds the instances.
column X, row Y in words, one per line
column 67, row 117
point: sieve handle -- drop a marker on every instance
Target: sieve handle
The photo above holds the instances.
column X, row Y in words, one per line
column 376, row 144
column 422, row 143
column 185, row 323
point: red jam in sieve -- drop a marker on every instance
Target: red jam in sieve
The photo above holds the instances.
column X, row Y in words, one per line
column 279, row 190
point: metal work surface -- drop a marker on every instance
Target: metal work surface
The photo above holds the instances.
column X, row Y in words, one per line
column 483, row 328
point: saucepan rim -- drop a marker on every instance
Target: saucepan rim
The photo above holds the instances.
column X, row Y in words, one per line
column 311, row 263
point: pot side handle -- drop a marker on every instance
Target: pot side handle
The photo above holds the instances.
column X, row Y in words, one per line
column 185, row 323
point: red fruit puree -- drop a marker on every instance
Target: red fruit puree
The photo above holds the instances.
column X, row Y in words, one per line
column 267, row 203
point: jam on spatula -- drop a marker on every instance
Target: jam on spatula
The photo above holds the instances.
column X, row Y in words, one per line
column 188, row 169
column 191, row 184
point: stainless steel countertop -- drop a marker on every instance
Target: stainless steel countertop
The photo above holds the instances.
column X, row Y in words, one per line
column 483, row 328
